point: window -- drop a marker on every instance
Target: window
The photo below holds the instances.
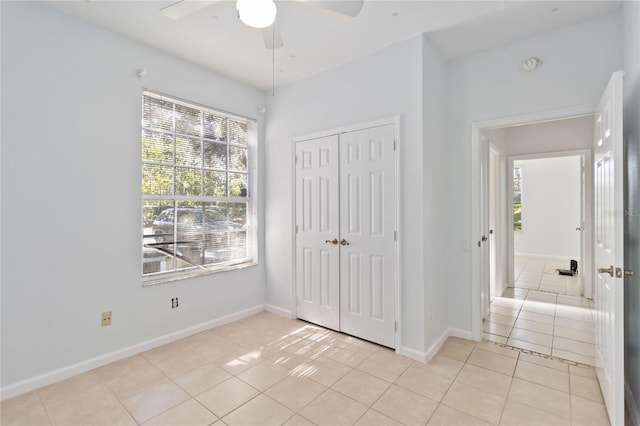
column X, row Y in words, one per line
column 517, row 199
column 196, row 189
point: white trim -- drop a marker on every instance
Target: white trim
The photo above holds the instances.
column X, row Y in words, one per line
column 437, row 345
column 413, row 354
column 399, row 230
column 276, row 310
column 476, row 202
column 395, row 121
column 433, row 350
column 45, row 379
column 449, row 332
column 463, row 334
column 544, row 256
column 294, row 290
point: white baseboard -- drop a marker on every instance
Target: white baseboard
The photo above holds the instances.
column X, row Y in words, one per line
column 435, row 347
column 632, row 405
column 275, row 310
column 548, row 256
column 463, row 334
column 425, row 357
column 45, row 379
column 412, row 353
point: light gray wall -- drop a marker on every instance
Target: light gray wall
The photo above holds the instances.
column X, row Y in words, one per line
column 434, row 93
column 631, row 134
column 71, row 207
column 550, row 208
column 491, row 85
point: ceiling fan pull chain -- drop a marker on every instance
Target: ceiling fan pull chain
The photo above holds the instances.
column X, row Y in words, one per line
column 273, row 60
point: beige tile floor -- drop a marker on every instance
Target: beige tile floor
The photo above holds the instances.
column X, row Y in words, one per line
column 543, row 321
column 535, row 273
column 266, row 370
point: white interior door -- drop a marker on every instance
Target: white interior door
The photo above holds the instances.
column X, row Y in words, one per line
column 345, row 274
column 581, row 228
column 495, row 288
column 483, row 243
column 367, row 229
column 317, row 232
column 608, row 248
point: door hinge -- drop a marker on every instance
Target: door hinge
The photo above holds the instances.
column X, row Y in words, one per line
column 395, row 235
column 296, row 229
column 296, row 158
column 394, row 144
column 395, row 326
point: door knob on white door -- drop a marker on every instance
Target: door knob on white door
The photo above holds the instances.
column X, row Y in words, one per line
column 608, row 270
column 334, row 241
column 344, row 242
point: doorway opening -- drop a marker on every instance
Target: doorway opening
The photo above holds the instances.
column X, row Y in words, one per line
column 604, row 233
column 535, row 219
column 548, row 223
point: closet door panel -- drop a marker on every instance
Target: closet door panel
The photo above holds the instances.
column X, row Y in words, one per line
column 367, row 218
column 317, row 232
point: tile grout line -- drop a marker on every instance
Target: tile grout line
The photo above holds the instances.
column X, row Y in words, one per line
column 541, row 355
column 509, row 391
column 44, row 407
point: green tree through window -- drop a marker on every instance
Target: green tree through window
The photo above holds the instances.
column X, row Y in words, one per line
column 195, row 188
column 517, row 199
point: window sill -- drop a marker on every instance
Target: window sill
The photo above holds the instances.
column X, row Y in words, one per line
column 168, row 277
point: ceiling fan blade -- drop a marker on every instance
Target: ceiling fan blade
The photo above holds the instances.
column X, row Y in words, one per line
column 272, row 36
column 343, row 7
column 182, row 8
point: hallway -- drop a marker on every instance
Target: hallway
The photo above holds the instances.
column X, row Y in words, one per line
column 544, row 313
column 540, row 274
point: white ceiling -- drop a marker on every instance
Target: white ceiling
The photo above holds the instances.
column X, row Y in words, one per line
column 316, row 40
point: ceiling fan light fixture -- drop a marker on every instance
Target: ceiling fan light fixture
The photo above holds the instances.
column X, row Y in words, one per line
column 256, row 13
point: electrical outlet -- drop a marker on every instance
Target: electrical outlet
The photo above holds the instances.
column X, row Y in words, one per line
column 106, row 318
column 174, row 303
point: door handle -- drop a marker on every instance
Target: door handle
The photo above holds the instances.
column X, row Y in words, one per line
column 484, row 238
column 334, row 241
column 344, row 242
column 608, row 270
column 579, row 229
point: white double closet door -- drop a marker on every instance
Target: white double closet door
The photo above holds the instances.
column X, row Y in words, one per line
column 345, row 268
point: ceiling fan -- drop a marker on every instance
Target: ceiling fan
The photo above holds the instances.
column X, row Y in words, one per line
column 262, row 13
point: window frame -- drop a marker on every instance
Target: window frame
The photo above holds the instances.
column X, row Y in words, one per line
column 250, row 198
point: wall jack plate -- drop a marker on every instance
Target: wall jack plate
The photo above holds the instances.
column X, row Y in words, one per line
column 174, row 303
column 106, row 318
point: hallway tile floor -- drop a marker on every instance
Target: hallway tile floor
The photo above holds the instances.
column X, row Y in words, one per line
column 547, row 323
column 534, row 273
column 541, row 315
column 267, row 370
